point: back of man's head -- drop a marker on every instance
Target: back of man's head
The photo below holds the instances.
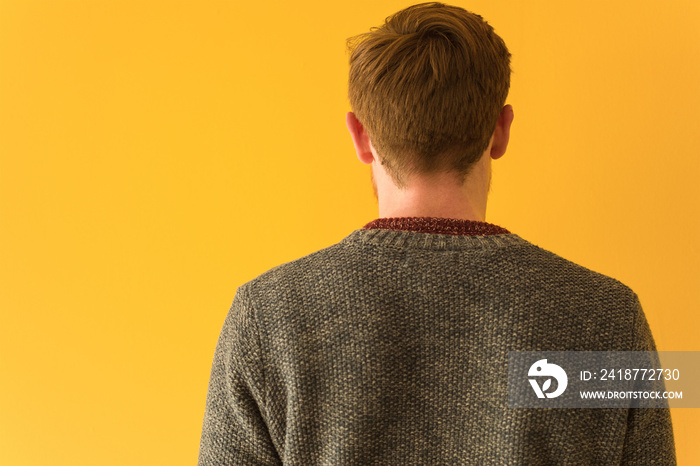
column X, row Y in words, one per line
column 428, row 87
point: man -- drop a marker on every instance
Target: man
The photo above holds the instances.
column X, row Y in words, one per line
column 391, row 347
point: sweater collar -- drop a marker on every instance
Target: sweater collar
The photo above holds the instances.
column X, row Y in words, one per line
column 437, row 225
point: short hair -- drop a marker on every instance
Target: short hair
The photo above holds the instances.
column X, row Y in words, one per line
column 428, row 86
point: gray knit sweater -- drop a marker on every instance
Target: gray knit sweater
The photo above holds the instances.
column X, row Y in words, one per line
column 391, row 348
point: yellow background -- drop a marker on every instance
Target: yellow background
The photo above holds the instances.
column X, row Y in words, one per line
column 154, row 155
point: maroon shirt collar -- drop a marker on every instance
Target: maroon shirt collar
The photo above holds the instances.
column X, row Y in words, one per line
column 443, row 226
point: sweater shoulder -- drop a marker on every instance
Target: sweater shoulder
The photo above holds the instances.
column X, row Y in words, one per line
column 577, row 273
column 304, row 269
column 342, row 260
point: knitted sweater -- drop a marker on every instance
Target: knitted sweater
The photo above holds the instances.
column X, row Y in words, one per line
column 391, row 348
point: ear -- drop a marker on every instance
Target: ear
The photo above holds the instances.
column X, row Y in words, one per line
column 502, row 133
column 359, row 138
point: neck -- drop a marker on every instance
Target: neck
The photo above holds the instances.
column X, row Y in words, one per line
column 435, row 195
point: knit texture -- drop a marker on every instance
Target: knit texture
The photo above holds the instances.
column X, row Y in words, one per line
column 445, row 226
column 391, row 348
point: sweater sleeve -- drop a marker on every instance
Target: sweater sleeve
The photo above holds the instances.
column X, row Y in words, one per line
column 649, row 438
column 234, row 431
